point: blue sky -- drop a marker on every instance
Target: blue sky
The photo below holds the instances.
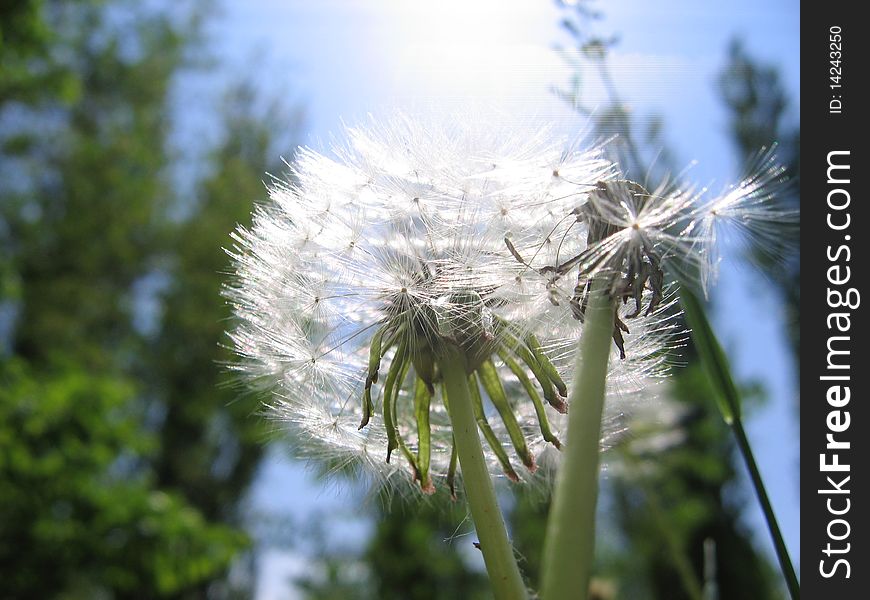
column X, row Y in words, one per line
column 342, row 60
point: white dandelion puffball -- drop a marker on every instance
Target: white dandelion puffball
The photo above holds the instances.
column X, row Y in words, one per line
column 365, row 264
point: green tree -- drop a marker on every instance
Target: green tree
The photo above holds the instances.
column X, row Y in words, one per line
column 673, row 500
column 123, row 457
column 81, row 512
column 27, row 68
column 211, row 440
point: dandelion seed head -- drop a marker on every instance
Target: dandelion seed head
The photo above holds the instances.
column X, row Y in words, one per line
column 367, row 260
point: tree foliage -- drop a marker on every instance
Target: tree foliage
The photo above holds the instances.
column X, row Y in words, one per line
column 82, row 513
column 123, row 456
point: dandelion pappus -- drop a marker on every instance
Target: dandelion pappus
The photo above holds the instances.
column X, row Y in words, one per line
column 617, row 254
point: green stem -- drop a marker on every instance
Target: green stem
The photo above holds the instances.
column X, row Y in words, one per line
column 716, row 364
column 504, row 574
column 570, row 542
column 782, row 555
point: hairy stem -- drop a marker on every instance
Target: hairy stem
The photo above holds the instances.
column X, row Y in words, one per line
column 570, row 543
column 501, row 566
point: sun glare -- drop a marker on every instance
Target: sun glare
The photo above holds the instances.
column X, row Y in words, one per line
column 481, row 49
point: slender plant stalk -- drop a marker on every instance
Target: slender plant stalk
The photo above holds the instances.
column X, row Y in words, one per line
column 782, row 555
column 570, row 543
column 501, row 566
column 716, row 364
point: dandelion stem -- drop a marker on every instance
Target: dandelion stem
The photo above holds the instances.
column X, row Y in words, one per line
column 570, row 542
column 498, row 555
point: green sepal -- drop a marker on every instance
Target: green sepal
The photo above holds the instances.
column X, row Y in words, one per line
column 521, row 350
column 396, row 367
column 375, row 357
column 486, row 430
column 422, row 400
column 495, row 390
column 540, row 409
column 367, row 406
column 424, row 365
column 409, row 456
column 535, row 347
column 371, row 376
column 390, row 338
